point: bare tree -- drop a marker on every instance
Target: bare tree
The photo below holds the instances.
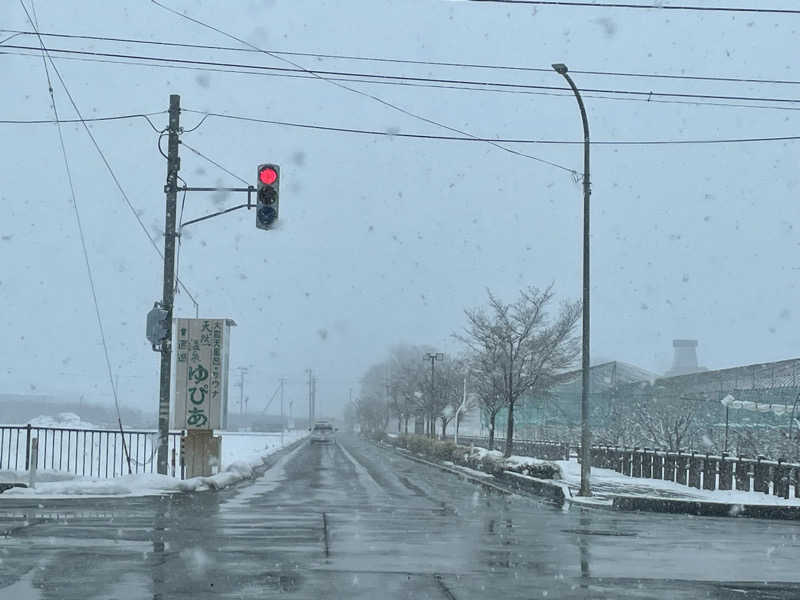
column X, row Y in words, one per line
column 669, row 423
column 449, row 390
column 373, row 406
column 487, row 385
column 529, row 350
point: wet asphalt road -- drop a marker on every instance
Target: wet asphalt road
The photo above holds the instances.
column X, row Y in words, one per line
column 350, row 520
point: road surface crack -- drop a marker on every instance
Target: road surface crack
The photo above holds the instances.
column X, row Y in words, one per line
column 325, row 534
column 443, row 586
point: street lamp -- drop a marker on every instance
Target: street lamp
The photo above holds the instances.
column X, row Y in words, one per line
column 433, row 357
column 586, row 434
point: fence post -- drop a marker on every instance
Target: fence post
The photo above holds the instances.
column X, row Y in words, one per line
column 658, row 465
column 694, row 471
column 627, row 465
column 760, row 476
column 647, row 464
column 796, row 473
column 742, row 475
column 669, row 466
column 34, row 463
column 636, row 463
column 27, row 446
column 709, row 473
column 725, row 473
column 680, row 468
column 780, row 482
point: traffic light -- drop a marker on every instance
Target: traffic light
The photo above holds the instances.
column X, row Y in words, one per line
column 267, row 195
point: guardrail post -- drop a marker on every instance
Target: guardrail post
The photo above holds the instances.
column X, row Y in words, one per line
column 680, row 468
column 725, row 473
column 709, row 473
column 27, row 446
column 742, row 472
column 695, row 464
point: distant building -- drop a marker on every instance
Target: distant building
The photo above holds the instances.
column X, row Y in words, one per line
column 684, row 359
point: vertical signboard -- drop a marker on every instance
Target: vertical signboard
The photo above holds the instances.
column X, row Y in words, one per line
column 201, row 373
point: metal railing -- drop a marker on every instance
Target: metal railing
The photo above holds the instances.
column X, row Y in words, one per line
column 702, row 471
column 538, row 449
column 85, row 452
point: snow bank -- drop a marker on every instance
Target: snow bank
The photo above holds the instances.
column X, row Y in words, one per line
column 492, row 461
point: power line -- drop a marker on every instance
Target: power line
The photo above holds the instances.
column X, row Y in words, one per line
column 145, row 116
column 213, row 162
column 648, row 99
column 322, row 74
column 497, row 140
column 79, row 223
column 88, row 130
column 394, row 107
column 659, row 6
column 725, row 79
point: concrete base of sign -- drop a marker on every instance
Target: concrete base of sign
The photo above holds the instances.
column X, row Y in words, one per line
column 201, row 452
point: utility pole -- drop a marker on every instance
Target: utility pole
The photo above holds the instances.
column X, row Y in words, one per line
column 283, row 419
column 313, row 398
column 171, row 190
column 310, row 400
column 242, row 372
column 586, row 432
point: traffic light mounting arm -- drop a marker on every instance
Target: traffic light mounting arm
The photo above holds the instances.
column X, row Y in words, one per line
column 250, row 189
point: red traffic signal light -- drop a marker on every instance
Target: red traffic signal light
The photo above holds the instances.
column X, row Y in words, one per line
column 267, row 175
column 267, row 195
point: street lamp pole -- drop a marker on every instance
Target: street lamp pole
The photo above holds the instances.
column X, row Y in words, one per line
column 433, row 357
column 586, row 434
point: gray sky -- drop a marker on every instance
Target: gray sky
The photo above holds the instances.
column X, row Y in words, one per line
column 386, row 240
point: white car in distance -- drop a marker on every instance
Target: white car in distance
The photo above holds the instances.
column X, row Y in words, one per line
column 322, row 432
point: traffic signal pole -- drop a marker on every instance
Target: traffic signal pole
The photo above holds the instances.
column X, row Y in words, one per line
column 171, row 190
column 160, row 323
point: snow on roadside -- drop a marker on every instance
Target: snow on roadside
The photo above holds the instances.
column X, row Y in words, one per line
column 607, row 481
column 149, row 484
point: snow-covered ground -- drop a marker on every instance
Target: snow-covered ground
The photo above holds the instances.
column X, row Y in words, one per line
column 607, row 481
column 242, row 453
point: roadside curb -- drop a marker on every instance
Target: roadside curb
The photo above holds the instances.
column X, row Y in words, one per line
column 550, row 492
column 461, row 474
column 703, row 508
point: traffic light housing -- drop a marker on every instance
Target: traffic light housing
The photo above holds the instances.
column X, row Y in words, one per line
column 268, row 182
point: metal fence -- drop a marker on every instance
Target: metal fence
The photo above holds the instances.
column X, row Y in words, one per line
column 701, row 471
column 85, row 452
column 538, row 449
